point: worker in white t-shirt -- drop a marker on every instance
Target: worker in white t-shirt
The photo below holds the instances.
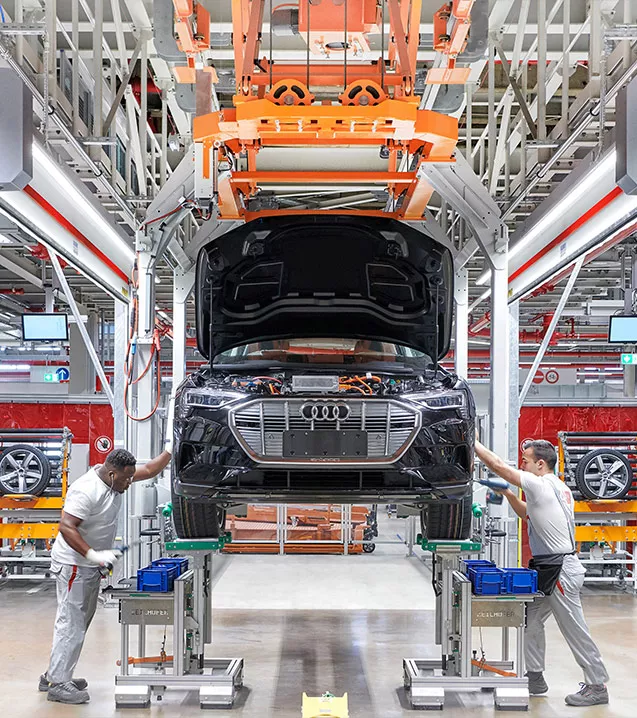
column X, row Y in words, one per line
column 83, row 546
column 550, row 519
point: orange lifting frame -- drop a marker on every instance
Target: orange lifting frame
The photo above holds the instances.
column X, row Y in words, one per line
column 260, row 122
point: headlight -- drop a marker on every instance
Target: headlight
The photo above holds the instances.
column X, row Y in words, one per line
column 448, row 400
column 208, row 398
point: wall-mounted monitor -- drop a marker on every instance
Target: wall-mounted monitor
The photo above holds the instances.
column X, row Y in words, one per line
column 45, row 327
column 622, row 330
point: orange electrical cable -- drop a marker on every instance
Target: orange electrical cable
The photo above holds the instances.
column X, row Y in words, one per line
column 352, row 386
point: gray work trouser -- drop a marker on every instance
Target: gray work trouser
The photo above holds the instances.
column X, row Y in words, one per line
column 566, row 605
column 77, row 591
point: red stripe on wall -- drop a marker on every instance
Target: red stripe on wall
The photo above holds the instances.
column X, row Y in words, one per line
column 63, row 221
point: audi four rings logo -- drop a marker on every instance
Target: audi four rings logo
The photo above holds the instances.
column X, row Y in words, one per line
column 317, row 411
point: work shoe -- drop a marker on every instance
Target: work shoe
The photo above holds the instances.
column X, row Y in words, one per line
column 588, row 695
column 67, row 693
column 45, row 684
column 537, row 684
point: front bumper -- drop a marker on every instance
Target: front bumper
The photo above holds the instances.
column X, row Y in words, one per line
column 210, row 464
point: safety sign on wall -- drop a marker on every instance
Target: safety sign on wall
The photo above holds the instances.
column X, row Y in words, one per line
column 104, row 444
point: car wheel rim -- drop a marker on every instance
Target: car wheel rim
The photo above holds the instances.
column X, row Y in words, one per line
column 20, row 471
column 607, row 476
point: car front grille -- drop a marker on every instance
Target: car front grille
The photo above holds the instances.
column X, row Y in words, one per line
column 260, row 426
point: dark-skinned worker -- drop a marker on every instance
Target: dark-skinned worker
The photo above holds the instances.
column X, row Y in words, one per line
column 550, row 520
column 84, row 545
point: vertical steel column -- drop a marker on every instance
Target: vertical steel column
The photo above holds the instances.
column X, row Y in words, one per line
column 461, row 327
column 541, row 69
column 143, row 119
column 469, row 123
column 50, row 9
column 513, row 537
column 183, row 282
column 120, row 420
column 492, row 119
column 595, row 43
column 19, row 40
column 566, row 40
column 97, row 69
column 75, row 70
column 163, row 161
column 146, row 385
column 499, row 390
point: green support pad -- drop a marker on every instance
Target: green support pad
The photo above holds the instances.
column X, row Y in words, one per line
column 465, row 546
column 178, row 545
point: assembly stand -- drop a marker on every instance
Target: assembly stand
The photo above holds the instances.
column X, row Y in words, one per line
column 457, row 611
column 188, row 609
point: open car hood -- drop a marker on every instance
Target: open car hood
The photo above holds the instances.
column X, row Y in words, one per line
column 336, row 276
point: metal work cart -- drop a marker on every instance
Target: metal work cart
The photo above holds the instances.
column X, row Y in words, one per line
column 457, row 611
column 188, row 609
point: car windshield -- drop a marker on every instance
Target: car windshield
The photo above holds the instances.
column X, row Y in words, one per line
column 338, row 352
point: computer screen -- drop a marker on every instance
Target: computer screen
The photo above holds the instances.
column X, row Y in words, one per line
column 45, row 327
column 622, row 330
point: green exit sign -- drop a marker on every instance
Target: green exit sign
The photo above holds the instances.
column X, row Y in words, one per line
column 50, row 377
column 629, row 358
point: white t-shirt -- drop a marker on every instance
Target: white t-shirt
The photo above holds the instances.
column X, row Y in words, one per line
column 93, row 501
column 550, row 514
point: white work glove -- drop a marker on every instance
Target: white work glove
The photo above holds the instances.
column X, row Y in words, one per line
column 103, row 558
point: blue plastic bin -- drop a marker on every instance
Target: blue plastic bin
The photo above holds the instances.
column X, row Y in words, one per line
column 178, row 562
column 156, row 579
column 486, row 580
column 477, row 563
column 520, row 580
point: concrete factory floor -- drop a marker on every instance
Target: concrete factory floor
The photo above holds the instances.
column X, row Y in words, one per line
column 313, row 624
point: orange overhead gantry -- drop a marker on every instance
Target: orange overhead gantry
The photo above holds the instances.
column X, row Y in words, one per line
column 374, row 104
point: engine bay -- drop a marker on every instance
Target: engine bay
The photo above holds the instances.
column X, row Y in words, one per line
column 289, row 383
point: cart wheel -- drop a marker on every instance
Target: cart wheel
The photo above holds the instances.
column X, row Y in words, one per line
column 369, row 547
column 604, row 474
column 23, row 470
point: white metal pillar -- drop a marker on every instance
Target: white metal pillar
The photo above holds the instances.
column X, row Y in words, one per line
column 120, row 420
column 146, row 387
column 499, row 401
column 461, row 329
column 499, row 398
column 513, row 534
column 183, row 283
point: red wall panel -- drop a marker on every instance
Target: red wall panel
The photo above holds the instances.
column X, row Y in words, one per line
column 87, row 422
column 544, row 422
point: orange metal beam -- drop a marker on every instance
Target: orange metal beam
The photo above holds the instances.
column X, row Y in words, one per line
column 261, row 120
column 35, row 502
column 26, row 532
column 322, row 74
column 251, row 45
column 606, row 506
column 606, row 533
column 399, row 33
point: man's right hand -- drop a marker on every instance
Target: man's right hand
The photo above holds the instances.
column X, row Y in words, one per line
column 103, row 558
